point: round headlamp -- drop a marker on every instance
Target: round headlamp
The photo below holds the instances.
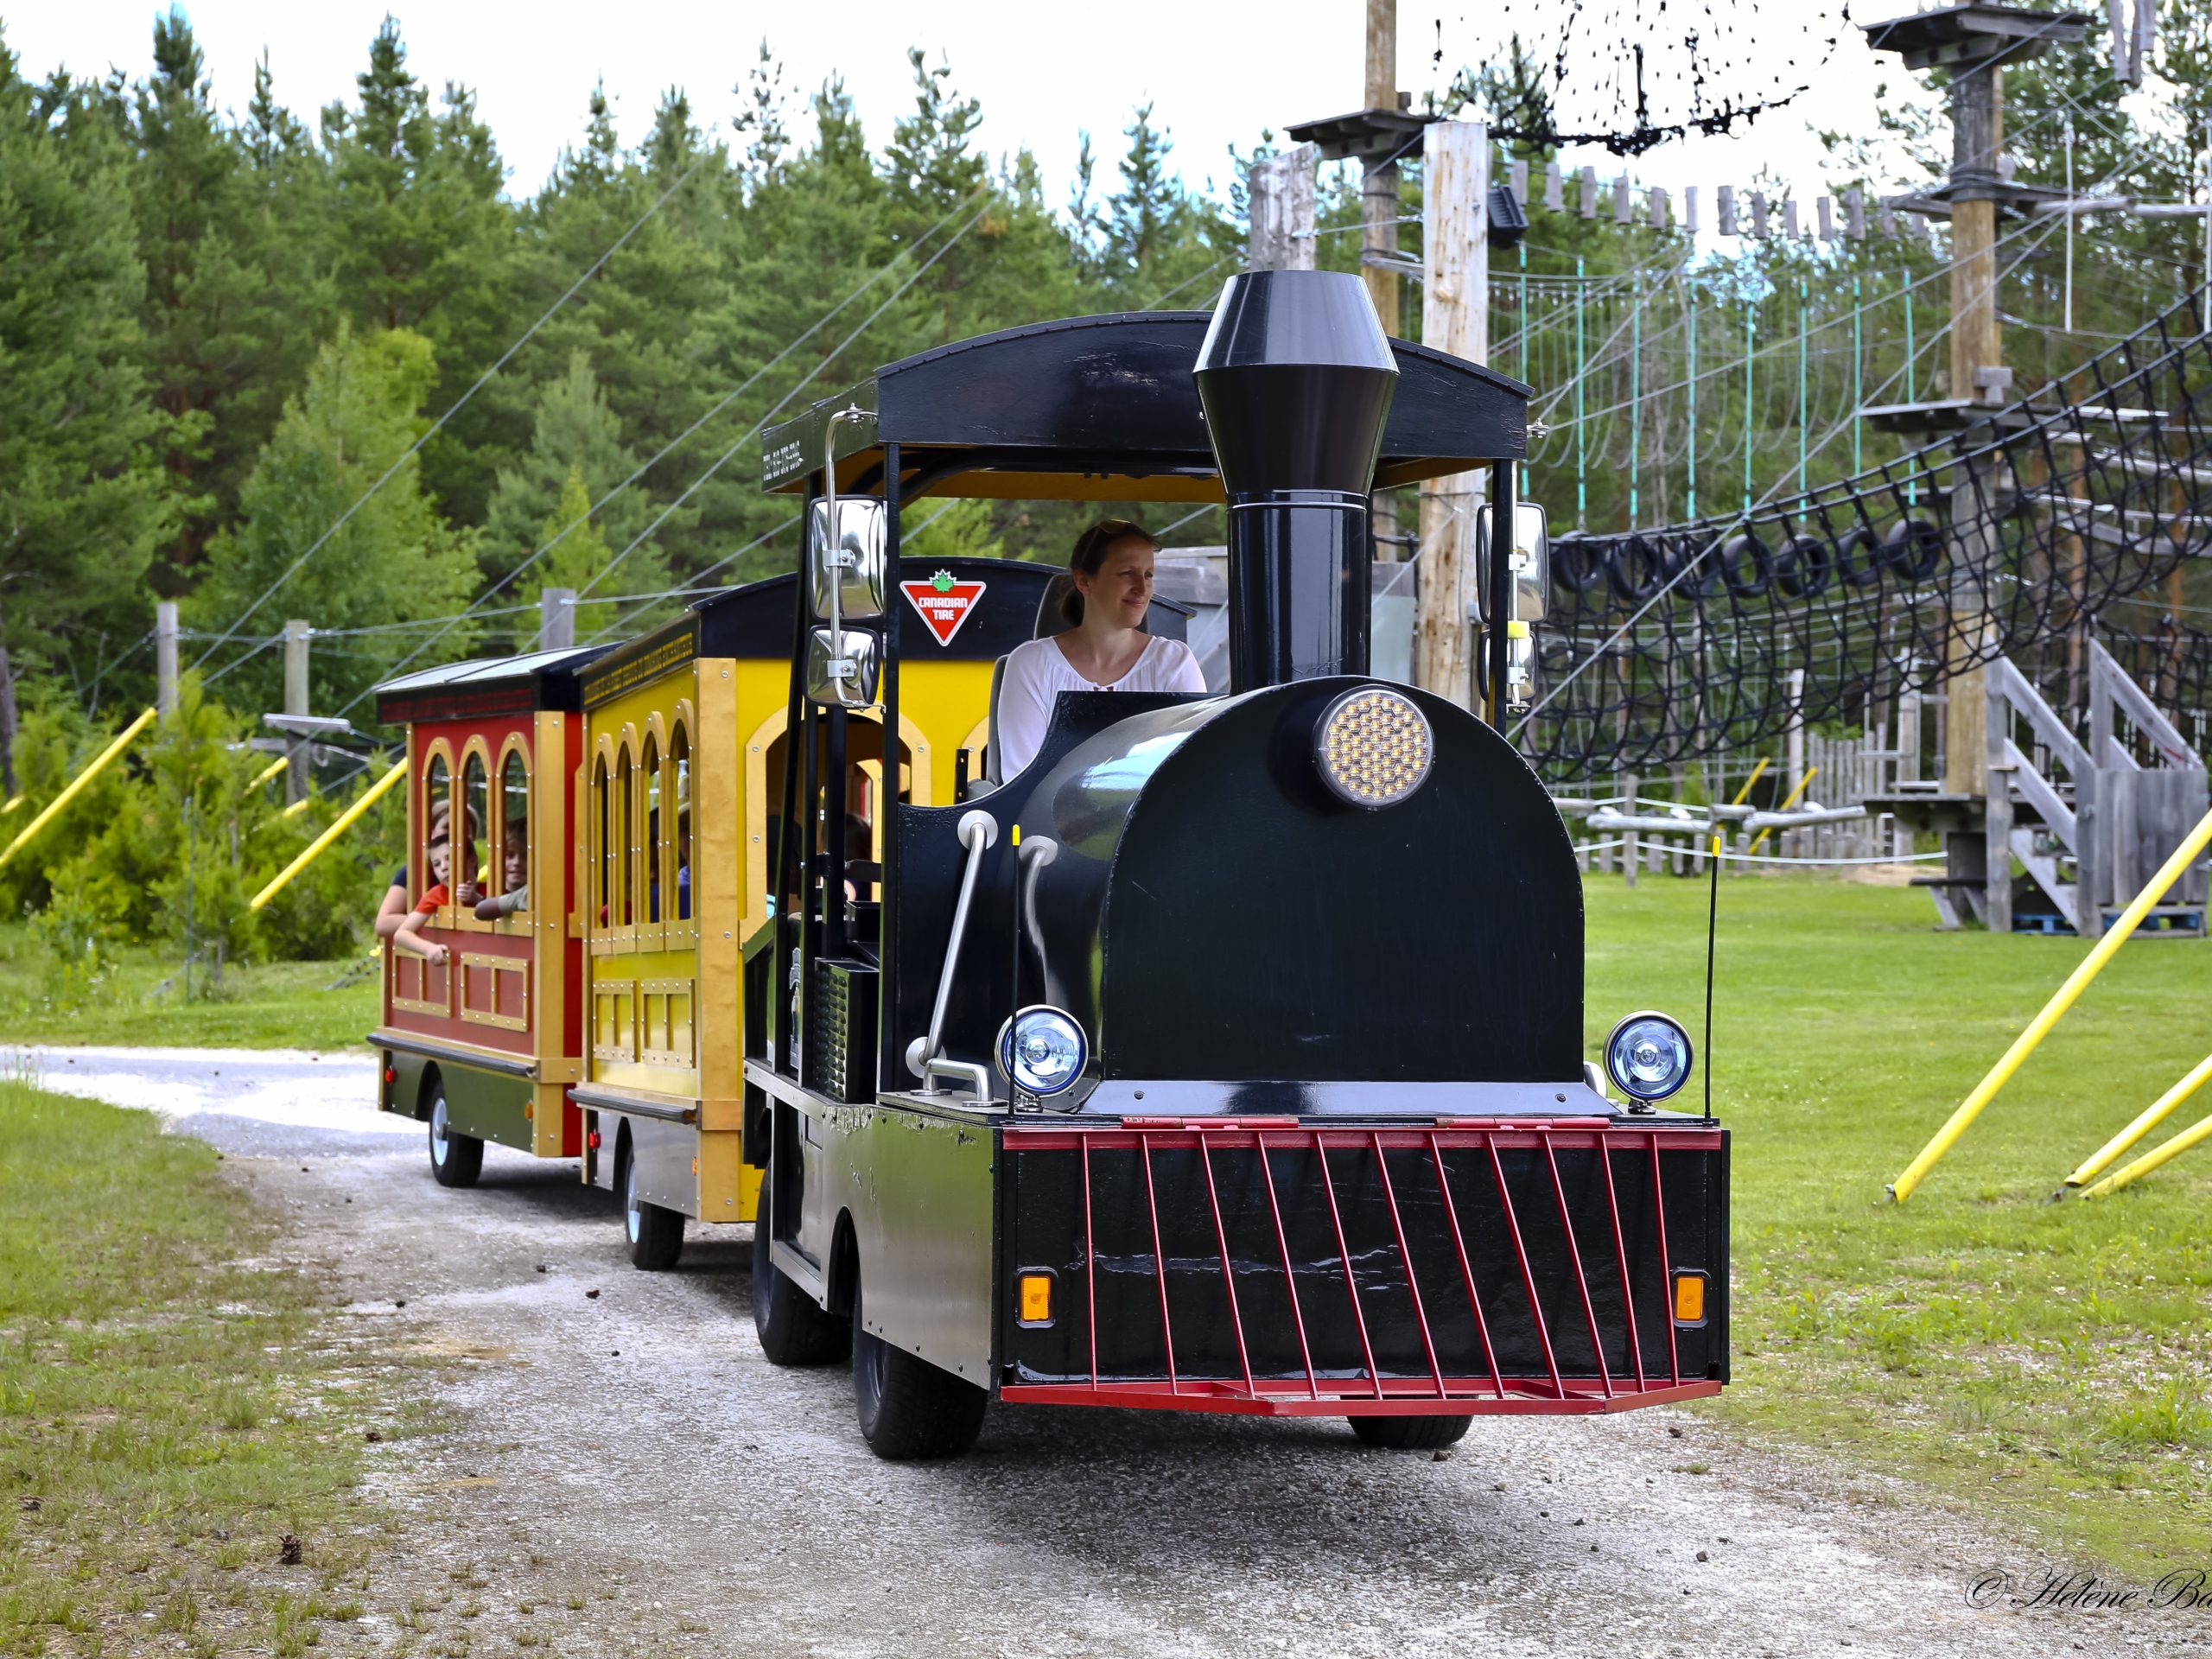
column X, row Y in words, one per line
column 1647, row 1056
column 1372, row 746
column 1043, row 1050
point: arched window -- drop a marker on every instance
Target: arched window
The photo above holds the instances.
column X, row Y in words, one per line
column 601, row 836
column 510, row 879
column 470, row 844
column 437, row 824
column 656, row 831
column 679, row 766
column 626, row 841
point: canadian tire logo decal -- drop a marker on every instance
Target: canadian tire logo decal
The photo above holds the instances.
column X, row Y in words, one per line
column 945, row 604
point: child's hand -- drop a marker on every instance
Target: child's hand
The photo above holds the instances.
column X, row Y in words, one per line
column 439, row 953
column 464, row 893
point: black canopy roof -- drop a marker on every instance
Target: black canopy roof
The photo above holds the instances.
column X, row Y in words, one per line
column 1104, row 409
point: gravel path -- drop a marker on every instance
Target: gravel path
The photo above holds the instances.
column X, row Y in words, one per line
column 624, row 1473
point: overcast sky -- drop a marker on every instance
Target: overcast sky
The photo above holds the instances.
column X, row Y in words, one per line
column 1043, row 69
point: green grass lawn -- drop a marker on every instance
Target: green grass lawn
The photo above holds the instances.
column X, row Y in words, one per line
column 2042, row 1364
column 169, row 1412
column 141, row 1003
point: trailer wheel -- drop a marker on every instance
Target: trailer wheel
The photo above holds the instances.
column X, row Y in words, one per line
column 1410, row 1434
column 793, row 1328
column 908, row 1408
column 456, row 1160
column 656, row 1234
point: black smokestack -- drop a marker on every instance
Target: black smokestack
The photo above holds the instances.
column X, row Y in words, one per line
column 1295, row 379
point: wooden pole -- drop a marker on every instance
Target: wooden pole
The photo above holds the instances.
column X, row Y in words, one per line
column 295, row 702
column 165, row 656
column 1455, row 318
column 556, row 619
column 1977, row 354
column 1282, row 211
column 1378, row 238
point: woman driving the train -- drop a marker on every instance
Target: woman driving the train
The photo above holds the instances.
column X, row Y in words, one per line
column 1104, row 647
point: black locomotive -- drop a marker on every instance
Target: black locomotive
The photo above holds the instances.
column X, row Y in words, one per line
column 1230, row 1056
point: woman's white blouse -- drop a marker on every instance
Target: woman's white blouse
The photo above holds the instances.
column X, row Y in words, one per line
column 1039, row 671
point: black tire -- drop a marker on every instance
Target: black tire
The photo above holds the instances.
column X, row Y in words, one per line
column 1637, row 566
column 1747, row 565
column 1913, row 549
column 1859, row 557
column 1578, row 564
column 1801, row 567
column 655, row 1233
column 792, row 1326
column 908, row 1408
column 1410, row 1434
column 456, row 1160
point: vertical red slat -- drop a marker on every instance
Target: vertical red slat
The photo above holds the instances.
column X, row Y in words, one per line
column 1666, row 1267
column 1620, row 1256
column 1289, row 1274
column 1398, row 1226
column 1090, row 1259
column 1344, row 1254
column 1528, row 1273
column 1574, row 1260
column 1159, row 1266
column 1228, row 1267
column 1466, row 1267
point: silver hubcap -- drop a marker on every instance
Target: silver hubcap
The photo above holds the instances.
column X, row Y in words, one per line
column 438, row 1130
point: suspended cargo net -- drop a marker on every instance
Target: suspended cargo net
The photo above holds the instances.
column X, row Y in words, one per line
column 2012, row 538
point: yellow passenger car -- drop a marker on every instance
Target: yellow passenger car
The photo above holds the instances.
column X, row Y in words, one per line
column 684, row 752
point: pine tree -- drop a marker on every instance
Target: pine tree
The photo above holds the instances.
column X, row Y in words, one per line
column 396, row 560
column 83, row 501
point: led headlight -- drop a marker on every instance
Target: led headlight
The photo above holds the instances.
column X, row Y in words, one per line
column 1647, row 1056
column 1043, row 1050
column 1373, row 746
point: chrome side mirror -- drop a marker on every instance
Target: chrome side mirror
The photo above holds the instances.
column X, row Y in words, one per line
column 1530, row 561
column 841, row 669
column 850, row 560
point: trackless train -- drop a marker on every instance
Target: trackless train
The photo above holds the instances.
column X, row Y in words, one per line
column 1229, row 1056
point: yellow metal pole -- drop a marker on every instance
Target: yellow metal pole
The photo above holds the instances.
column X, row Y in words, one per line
column 1764, row 761
column 271, row 771
column 14, row 802
column 314, row 848
column 2195, row 1134
column 297, row 807
column 2039, row 1027
column 77, row 783
column 2156, row 1114
column 1788, row 801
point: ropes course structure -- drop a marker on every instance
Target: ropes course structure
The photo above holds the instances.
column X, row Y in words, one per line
column 1715, row 635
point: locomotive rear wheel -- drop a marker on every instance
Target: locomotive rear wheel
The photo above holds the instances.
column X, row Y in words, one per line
column 793, row 1328
column 909, row 1410
column 656, row 1234
column 1411, row 1434
column 456, row 1160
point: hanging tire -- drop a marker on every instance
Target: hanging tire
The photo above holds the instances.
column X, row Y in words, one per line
column 1578, row 564
column 1913, row 550
column 1410, row 1434
column 1704, row 578
column 793, row 1328
column 1637, row 566
column 1801, row 567
column 1747, row 565
column 1859, row 557
column 909, row 1408
column 655, row 1233
column 456, row 1160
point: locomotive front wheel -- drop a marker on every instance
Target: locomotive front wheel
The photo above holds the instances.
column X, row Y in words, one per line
column 656, row 1234
column 456, row 1160
column 792, row 1326
column 908, row 1408
column 1410, row 1434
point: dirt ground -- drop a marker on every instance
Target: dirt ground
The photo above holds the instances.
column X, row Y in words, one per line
column 623, row 1473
